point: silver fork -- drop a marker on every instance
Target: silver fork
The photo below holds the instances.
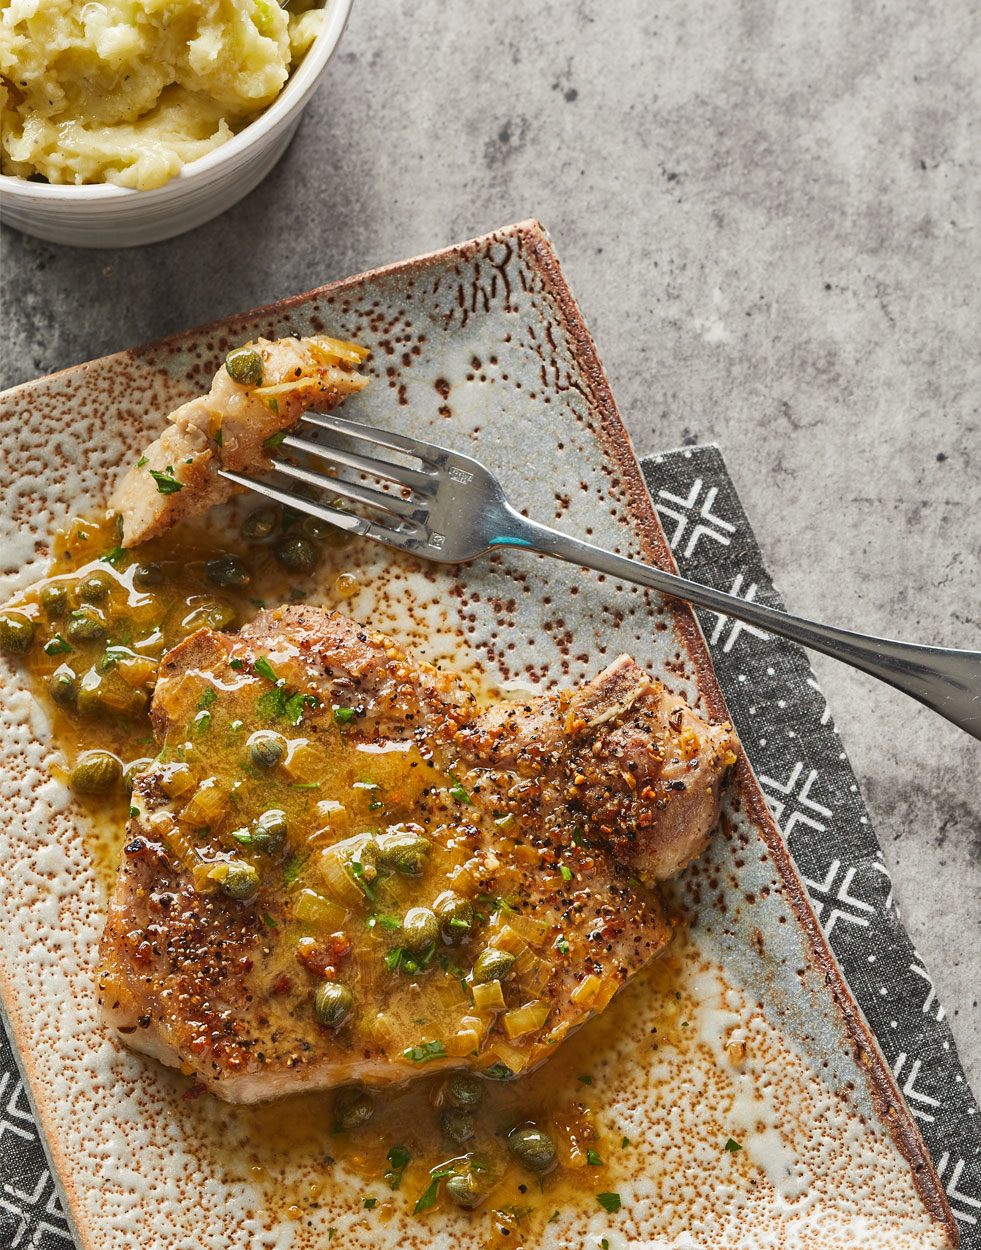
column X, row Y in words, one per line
column 452, row 509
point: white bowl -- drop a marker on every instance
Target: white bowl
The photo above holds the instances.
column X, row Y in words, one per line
column 103, row 215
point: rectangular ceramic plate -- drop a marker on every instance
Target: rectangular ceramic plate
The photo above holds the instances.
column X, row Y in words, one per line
column 481, row 347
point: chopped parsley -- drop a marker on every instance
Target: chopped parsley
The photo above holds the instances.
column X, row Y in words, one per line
column 113, row 557
column 566, row 872
column 624, row 1143
column 219, row 437
column 585, row 1080
column 609, row 1202
column 425, row 1052
column 344, row 714
column 167, row 484
column 577, row 837
column 293, row 869
column 237, row 664
column 356, row 869
column 265, row 669
column 498, row 1072
column 387, row 922
column 369, row 1203
column 268, row 921
column 243, row 836
column 592, row 1157
column 134, row 812
column 206, row 700
column 398, row 1160
column 57, row 646
column 732, row 1146
column 201, row 723
column 561, row 945
column 505, row 822
column 458, row 792
column 428, row 1198
column 141, row 462
column 274, row 439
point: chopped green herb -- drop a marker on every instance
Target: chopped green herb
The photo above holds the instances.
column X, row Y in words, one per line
column 330, row 1233
column 243, row 836
column 609, row 1202
column 684, row 1024
column 219, row 437
column 577, row 837
column 458, row 792
column 344, row 714
column 237, row 664
column 297, row 593
column 586, row 1080
column 201, row 723
column 293, row 870
column 398, row 1161
column 134, row 812
column 258, row 603
column 425, row 1052
column 428, row 1198
column 305, row 785
column 732, row 1146
column 369, row 1203
column 274, row 439
column 57, row 646
column 634, row 882
column 294, row 706
column 265, row 669
column 167, row 484
column 553, row 1218
column 566, row 872
column 624, row 1143
column 141, row 462
column 268, row 921
column 206, row 700
column 387, row 922
column 604, row 1243
column 272, row 704
column 592, row 1157
column 113, row 557
column 113, row 655
column 506, row 821
column 561, row 945
column 247, row 768
column 498, row 1072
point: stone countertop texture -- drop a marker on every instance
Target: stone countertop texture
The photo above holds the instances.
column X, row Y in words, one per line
column 769, row 215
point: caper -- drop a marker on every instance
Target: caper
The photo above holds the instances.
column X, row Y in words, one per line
column 326, row 532
column 133, row 770
column 228, row 572
column 296, row 554
column 419, row 930
column 533, row 1147
column 211, row 614
column 95, row 588
column 266, row 749
column 259, row 524
column 269, row 832
column 86, row 625
column 244, row 366
column 406, row 853
column 331, row 1003
column 241, row 881
column 456, row 1124
column 464, row 1188
column 54, row 599
column 90, row 690
column 63, row 686
column 492, row 965
column 146, row 576
column 455, row 915
column 16, row 633
column 463, row 1091
column 95, row 772
column 352, row 1108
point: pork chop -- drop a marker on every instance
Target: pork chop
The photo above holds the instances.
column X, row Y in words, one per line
column 339, row 868
column 271, row 383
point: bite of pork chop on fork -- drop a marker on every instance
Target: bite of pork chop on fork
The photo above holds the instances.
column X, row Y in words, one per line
column 337, row 843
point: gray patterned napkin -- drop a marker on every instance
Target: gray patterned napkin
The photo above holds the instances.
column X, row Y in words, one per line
column 786, row 728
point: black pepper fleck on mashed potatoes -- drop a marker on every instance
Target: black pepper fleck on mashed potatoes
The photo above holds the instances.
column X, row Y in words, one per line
column 130, row 91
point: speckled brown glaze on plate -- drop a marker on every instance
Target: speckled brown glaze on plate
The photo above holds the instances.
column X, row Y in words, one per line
column 480, row 346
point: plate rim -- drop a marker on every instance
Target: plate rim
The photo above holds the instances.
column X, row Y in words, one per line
column 531, row 236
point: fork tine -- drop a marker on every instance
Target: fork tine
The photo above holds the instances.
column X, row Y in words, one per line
column 371, row 434
column 344, row 520
column 398, row 473
column 350, row 490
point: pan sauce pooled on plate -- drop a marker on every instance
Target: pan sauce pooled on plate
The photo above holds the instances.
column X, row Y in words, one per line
column 129, row 93
column 339, row 869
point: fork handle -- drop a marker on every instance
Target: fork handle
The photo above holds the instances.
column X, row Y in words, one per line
column 947, row 681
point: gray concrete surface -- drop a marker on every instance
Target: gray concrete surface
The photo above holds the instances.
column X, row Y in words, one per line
column 769, row 214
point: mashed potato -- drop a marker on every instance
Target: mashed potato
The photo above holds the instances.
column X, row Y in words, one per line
column 129, row 91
